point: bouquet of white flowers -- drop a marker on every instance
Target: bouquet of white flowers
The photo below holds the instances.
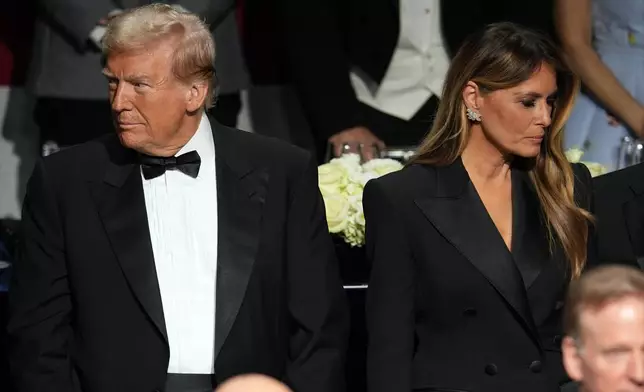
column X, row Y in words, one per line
column 574, row 156
column 342, row 182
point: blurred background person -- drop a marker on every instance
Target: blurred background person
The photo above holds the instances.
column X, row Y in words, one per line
column 603, row 349
column 481, row 217
column 371, row 72
column 65, row 73
column 603, row 42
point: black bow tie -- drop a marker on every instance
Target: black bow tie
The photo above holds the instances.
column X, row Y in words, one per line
column 187, row 163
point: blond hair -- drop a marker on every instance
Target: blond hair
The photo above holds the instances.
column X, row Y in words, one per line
column 597, row 288
column 194, row 57
column 502, row 56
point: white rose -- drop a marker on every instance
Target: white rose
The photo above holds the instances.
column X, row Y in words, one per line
column 350, row 161
column 337, row 212
column 595, row 168
column 332, row 177
column 383, row 166
column 359, row 214
column 573, row 155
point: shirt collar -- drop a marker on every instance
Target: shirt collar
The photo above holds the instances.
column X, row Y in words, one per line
column 202, row 141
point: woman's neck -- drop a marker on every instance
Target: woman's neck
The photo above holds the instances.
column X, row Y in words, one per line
column 484, row 161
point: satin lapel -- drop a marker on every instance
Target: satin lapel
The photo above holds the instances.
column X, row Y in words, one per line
column 241, row 193
column 121, row 206
column 459, row 215
column 530, row 248
column 543, row 271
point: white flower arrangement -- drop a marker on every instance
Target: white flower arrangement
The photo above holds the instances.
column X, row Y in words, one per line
column 574, row 156
column 341, row 183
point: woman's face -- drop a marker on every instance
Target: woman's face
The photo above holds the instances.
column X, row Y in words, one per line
column 515, row 119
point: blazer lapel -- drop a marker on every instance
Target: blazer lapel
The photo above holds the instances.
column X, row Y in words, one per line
column 530, row 247
column 241, row 192
column 459, row 215
column 121, row 206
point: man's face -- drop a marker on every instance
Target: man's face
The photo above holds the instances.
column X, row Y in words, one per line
column 609, row 356
column 148, row 102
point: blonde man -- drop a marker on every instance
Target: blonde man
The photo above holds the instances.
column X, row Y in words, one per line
column 177, row 252
column 604, row 324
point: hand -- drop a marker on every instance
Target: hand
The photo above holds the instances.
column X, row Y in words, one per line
column 355, row 138
column 612, row 120
column 104, row 21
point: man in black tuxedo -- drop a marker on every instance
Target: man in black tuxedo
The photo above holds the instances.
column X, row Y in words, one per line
column 619, row 210
column 371, row 71
column 176, row 253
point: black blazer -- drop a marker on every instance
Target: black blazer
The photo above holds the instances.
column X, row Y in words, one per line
column 619, row 209
column 448, row 307
column 325, row 39
column 85, row 302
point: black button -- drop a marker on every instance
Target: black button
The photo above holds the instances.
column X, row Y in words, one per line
column 469, row 312
column 491, row 369
column 536, row 367
column 557, row 340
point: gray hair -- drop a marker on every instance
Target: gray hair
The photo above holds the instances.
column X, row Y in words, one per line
column 194, row 59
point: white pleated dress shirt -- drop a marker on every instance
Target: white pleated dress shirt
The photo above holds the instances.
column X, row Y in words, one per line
column 418, row 66
column 182, row 215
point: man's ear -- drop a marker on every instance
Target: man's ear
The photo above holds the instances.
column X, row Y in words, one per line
column 572, row 358
column 196, row 95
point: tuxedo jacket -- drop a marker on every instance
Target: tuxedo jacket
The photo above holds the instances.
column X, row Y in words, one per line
column 85, row 300
column 619, row 213
column 325, row 39
column 449, row 308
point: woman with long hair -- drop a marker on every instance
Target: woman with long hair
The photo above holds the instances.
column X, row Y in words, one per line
column 473, row 243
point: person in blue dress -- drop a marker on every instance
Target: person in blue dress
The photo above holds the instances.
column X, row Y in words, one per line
column 603, row 41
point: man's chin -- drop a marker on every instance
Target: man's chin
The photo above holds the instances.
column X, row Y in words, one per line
column 128, row 138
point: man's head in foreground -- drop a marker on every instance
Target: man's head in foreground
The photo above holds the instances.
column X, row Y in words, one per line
column 604, row 325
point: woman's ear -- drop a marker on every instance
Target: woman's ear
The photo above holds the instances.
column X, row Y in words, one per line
column 472, row 96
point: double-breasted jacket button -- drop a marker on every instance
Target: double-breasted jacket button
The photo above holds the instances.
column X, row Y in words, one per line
column 491, row 369
column 536, row 367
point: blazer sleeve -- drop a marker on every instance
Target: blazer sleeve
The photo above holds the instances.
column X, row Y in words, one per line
column 319, row 64
column 390, row 297
column 40, row 304
column 76, row 18
column 585, row 198
column 316, row 300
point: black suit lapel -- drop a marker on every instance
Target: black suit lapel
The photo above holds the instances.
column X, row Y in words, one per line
column 241, row 192
column 460, row 216
column 530, row 248
column 121, row 206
